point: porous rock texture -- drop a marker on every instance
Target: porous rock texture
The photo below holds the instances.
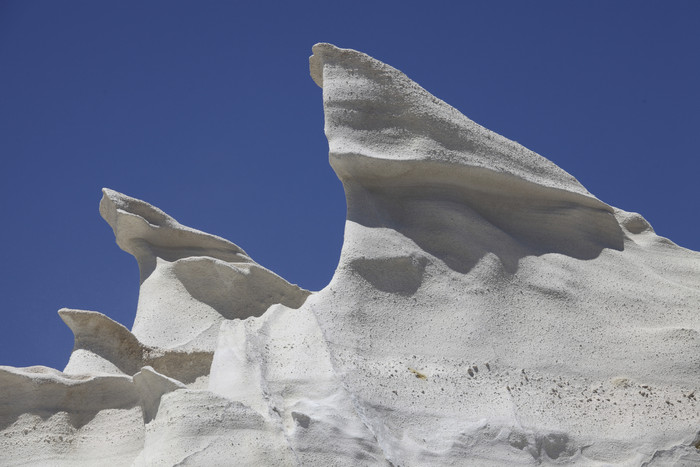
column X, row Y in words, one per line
column 486, row 310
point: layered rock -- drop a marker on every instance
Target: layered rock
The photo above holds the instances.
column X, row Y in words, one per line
column 542, row 323
column 141, row 397
column 188, row 276
column 486, row 310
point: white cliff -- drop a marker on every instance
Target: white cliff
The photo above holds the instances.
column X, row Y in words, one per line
column 486, row 310
column 544, row 324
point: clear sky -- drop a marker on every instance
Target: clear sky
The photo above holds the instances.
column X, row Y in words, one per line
column 206, row 110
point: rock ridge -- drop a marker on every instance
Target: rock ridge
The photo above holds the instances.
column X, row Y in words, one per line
column 486, row 310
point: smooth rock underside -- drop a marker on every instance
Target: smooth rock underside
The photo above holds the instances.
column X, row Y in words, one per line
column 486, row 310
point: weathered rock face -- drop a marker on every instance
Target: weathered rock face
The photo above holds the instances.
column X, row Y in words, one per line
column 486, row 310
column 542, row 323
column 190, row 280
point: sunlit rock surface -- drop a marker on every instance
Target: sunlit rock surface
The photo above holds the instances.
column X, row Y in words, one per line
column 486, row 310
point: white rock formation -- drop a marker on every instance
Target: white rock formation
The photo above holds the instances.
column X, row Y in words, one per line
column 487, row 310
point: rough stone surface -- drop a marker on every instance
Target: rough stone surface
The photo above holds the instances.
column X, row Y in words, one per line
column 486, row 310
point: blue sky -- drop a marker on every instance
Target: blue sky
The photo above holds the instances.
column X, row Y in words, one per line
column 206, row 110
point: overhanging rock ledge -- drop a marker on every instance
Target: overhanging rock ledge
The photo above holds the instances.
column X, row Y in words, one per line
column 486, row 310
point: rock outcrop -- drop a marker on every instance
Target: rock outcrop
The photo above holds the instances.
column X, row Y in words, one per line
column 190, row 280
column 486, row 310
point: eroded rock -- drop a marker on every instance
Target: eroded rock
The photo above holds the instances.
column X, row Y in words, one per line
column 486, row 310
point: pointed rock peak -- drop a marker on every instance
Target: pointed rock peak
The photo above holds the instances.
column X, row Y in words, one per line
column 411, row 163
column 146, row 232
column 131, row 218
column 113, row 202
column 384, row 129
column 101, row 344
column 85, row 321
column 190, row 280
column 325, row 54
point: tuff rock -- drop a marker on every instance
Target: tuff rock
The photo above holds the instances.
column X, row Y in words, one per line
column 486, row 310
